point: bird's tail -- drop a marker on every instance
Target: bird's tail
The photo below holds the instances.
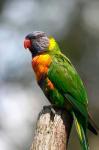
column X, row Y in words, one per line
column 92, row 125
column 81, row 127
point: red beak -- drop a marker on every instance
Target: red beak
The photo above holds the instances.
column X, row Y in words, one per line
column 27, row 43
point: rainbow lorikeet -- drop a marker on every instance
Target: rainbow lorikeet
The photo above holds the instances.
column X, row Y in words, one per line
column 59, row 81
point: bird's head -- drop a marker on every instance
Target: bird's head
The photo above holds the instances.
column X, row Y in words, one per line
column 38, row 42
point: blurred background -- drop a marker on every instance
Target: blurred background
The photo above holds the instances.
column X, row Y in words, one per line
column 75, row 25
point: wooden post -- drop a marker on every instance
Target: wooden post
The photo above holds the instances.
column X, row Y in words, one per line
column 52, row 130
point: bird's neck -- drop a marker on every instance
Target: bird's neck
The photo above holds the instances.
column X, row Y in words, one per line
column 53, row 46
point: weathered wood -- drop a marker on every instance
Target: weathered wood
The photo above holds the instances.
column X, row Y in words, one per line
column 52, row 130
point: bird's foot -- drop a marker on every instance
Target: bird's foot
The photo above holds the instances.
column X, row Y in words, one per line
column 50, row 108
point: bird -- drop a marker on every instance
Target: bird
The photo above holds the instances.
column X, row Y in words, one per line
column 60, row 82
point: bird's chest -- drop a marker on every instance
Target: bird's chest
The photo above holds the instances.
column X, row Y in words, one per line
column 40, row 65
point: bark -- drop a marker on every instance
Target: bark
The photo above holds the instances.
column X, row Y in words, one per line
column 52, row 130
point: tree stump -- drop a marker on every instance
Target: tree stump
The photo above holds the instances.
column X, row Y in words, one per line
column 52, row 129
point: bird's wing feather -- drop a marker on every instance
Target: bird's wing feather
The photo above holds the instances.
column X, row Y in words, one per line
column 65, row 78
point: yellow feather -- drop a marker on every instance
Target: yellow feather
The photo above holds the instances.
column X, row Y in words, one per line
column 79, row 130
column 52, row 43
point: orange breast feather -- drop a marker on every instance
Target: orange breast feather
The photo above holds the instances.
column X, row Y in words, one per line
column 50, row 84
column 40, row 65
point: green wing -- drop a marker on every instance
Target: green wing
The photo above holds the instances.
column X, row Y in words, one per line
column 65, row 78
